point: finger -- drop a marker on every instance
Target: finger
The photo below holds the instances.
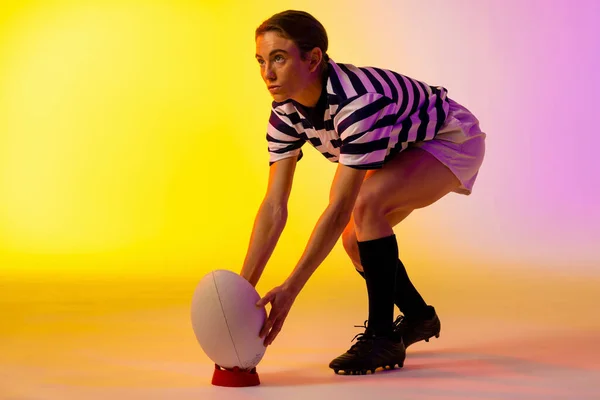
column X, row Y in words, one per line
column 267, row 325
column 265, row 300
column 265, row 328
column 273, row 334
column 274, row 331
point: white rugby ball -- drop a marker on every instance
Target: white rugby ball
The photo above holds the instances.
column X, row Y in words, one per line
column 226, row 320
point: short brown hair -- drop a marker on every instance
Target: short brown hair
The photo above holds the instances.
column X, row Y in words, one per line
column 300, row 27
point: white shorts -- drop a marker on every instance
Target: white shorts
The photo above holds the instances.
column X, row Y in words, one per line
column 459, row 145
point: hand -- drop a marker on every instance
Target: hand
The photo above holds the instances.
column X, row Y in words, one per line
column 281, row 299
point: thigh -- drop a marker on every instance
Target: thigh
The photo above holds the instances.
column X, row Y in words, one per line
column 413, row 179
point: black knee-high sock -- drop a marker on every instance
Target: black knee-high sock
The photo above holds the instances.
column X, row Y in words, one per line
column 379, row 258
column 406, row 297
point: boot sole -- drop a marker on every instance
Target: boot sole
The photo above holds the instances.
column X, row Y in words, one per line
column 363, row 371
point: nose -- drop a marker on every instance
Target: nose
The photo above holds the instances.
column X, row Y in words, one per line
column 269, row 74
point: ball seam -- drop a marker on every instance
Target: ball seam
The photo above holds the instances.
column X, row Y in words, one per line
column 226, row 323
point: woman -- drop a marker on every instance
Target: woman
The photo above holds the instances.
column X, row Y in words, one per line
column 399, row 145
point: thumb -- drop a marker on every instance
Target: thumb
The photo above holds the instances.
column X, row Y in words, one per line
column 266, row 299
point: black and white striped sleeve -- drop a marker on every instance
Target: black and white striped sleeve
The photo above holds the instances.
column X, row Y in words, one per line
column 283, row 139
column 364, row 125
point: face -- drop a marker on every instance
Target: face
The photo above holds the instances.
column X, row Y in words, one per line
column 284, row 72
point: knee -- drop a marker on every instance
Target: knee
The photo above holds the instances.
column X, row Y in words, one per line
column 367, row 208
column 350, row 244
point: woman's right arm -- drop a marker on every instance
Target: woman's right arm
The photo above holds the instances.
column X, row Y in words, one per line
column 270, row 219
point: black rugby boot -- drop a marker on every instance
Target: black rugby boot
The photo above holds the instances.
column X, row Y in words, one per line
column 415, row 329
column 370, row 352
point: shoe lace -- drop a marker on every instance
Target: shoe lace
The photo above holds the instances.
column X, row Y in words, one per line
column 363, row 339
column 399, row 320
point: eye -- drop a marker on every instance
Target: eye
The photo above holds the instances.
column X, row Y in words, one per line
column 260, row 61
column 279, row 58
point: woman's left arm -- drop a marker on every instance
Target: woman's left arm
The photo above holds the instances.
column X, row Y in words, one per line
column 344, row 191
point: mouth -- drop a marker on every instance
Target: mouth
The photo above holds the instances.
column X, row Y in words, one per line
column 274, row 88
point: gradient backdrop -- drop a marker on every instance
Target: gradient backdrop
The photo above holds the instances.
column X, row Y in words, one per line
column 133, row 158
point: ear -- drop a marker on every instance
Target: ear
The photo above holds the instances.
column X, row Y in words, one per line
column 316, row 55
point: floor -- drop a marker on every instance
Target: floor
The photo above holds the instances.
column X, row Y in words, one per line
column 127, row 339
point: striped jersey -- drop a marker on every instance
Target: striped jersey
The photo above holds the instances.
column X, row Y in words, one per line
column 365, row 117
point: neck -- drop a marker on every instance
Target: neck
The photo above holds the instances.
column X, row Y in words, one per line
column 311, row 94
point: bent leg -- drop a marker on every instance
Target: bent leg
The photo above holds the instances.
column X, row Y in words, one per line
column 349, row 240
column 415, row 179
